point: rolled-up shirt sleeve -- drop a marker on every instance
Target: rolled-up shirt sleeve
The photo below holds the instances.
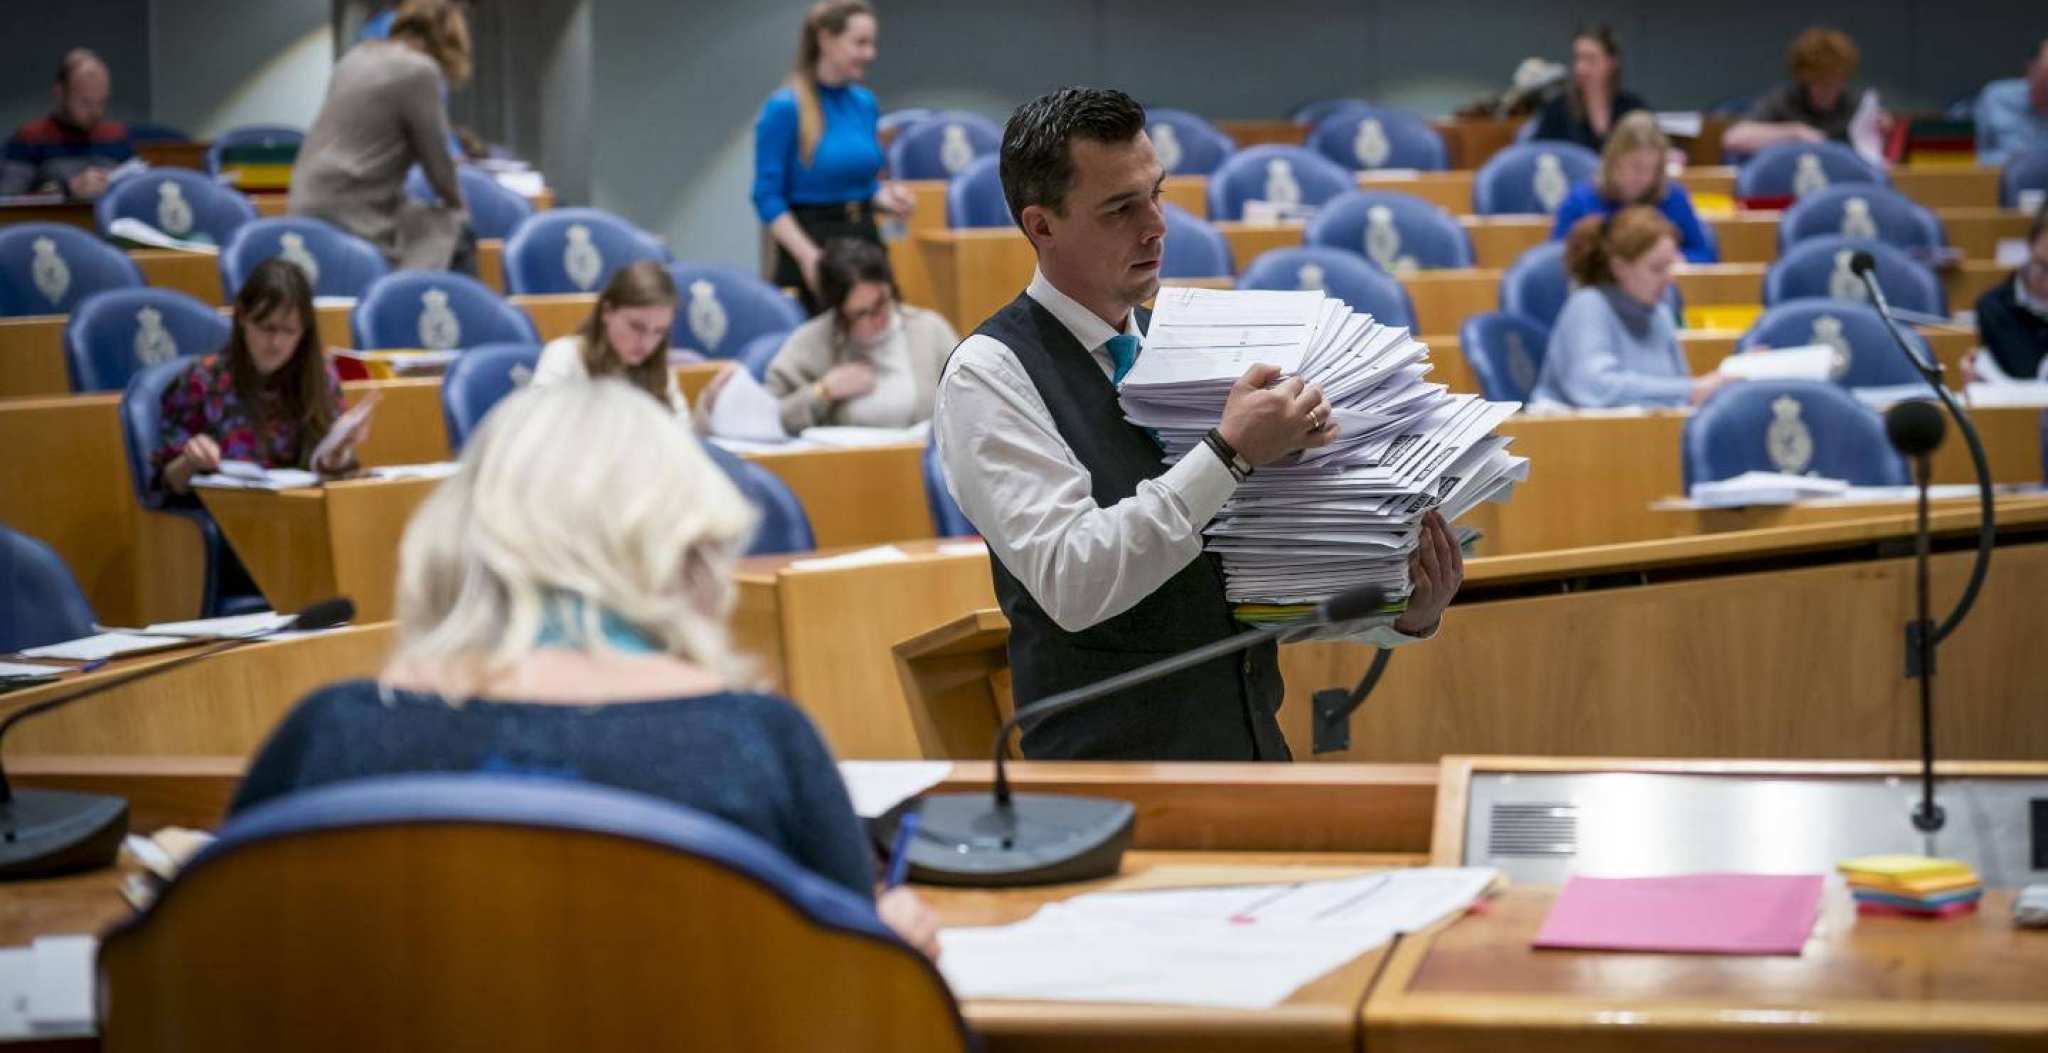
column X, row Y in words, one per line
column 1016, row 479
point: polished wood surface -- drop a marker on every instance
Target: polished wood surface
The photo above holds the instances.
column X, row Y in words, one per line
column 341, row 539
column 823, row 636
column 1967, row 983
column 196, row 274
column 955, row 683
column 224, row 705
column 869, row 495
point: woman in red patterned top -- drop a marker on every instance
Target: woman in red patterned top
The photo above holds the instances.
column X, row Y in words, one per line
column 268, row 398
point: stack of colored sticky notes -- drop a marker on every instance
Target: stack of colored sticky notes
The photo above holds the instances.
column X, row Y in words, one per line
column 1919, row 886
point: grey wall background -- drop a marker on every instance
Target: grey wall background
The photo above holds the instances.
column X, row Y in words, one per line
column 646, row 107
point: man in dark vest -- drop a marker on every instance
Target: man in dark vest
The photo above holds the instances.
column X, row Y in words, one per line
column 1097, row 542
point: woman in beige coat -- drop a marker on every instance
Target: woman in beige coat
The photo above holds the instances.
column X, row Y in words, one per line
column 869, row 360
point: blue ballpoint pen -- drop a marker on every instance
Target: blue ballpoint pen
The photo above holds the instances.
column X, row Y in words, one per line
column 899, row 852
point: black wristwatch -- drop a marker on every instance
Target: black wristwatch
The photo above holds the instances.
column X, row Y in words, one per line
column 1239, row 467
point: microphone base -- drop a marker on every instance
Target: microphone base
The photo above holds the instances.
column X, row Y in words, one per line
column 48, row 832
column 967, row 840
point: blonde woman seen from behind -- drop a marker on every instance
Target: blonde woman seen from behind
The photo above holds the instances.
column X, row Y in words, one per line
column 562, row 612
column 626, row 336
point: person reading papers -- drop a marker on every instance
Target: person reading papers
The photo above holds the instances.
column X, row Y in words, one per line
column 1099, row 557
column 562, row 604
column 625, row 336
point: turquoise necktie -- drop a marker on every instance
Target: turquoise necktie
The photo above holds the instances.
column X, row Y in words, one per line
column 1123, row 351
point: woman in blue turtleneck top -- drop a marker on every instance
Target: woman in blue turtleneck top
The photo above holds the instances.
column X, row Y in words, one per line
column 817, row 160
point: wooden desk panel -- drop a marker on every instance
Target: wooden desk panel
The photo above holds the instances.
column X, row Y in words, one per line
column 341, row 539
column 860, row 496
column 1968, row 983
column 196, row 274
column 32, row 356
column 556, row 314
column 1948, row 186
column 220, row 706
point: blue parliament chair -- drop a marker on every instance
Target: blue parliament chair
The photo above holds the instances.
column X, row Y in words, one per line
column 264, row 137
column 942, row 145
column 1798, row 169
column 947, row 519
column 1535, row 286
column 974, row 198
column 1505, row 352
column 40, row 601
column 46, row 268
column 1316, row 111
column 1820, row 267
column 476, row 380
column 1368, row 137
column 142, row 415
column 1531, row 177
column 435, row 311
column 494, row 212
column 1187, row 144
column 1347, row 276
column 720, row 310
column 889, row 124
column 111, row 334
column 512, row 913
column 338, row 262
column 1194, row 247
column 1799, row 427
column 573, row 250
column 1398, row 232
column 178, row 202
column 760, row 351
column 2028, row 171
column 1865, row 355
column 1860, row 210
column 784, row 526
column 1291, row 175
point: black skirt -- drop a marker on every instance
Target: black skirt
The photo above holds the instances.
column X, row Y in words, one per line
column 823, row 223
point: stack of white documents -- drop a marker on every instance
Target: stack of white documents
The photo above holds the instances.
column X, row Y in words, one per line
column 1333, row 518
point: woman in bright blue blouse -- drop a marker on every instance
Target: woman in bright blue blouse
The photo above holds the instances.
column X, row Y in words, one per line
column 1632, row 173
column 817, row 159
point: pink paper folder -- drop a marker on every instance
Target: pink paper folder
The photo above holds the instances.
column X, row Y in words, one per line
column 1691, row 914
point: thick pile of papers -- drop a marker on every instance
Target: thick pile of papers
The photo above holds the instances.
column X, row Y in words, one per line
column 1918, row 886
column 1340, row 516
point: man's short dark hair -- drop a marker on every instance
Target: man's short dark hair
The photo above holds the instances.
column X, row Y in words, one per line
column 1037, row 167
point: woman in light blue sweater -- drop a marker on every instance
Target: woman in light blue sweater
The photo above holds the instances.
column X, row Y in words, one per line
column 1615, row 343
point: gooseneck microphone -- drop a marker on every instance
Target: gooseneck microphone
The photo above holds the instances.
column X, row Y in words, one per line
column 1004, row 839
column 1912, row 430
column 44, row 832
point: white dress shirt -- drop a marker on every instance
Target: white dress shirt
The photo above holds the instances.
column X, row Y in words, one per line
column 562, row 359
column 1017, row 480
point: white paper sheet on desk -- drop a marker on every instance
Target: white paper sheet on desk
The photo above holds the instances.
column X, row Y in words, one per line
column 2020, row 394
column 46, row 988
column 436, row 470
column 861, row 558
column 1764, row 488
column 1881, row 396
column 131, row 229
column 851, row 436
column 1244, row 947
column 29, row 670
column 231, row 625
column 745, row 410
column 877, row 786
column 246, row 475
column 1812, row 362
column 103, row 645
column 1866, row 133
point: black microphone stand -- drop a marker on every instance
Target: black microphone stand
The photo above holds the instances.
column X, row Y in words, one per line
column 1923, row 636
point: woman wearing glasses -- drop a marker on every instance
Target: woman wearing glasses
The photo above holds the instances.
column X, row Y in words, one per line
column 869, row 360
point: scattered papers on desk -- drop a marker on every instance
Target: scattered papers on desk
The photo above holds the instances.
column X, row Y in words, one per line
column 232, row 625
column 745, row 410
column 346, row 428
column 2021, row 394
column 1765, row 488
column 247, row 475
column 1912, row 886
column 103, row 645
column 861, row 558
column 1813, row 362
column 1687, row 914
column 877, row 786
column 436, row 470
column 46, row 988
column 30, row 670
column 128, row 228
column 1681, row 124
column 384, row 365
column 1242, row 947
column 1343, row 515
column 847, row 435
column 963, row 548
column 1883, row 396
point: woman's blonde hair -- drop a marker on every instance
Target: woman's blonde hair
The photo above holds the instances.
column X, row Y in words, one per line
column 1637, row 131
column 642, row 283
column 572, row 502
column 825, row 16
column 1595, row 242
column 442, row 30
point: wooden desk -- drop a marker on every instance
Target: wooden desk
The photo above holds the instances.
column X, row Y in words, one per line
column 341, row 539
column 822, row 636
column 224, row 706
column 869, row 495
column 1972, row 982
column 174, row 154
column 1746, row 237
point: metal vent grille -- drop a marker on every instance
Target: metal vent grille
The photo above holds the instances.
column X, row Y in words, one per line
column 1534, row 830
